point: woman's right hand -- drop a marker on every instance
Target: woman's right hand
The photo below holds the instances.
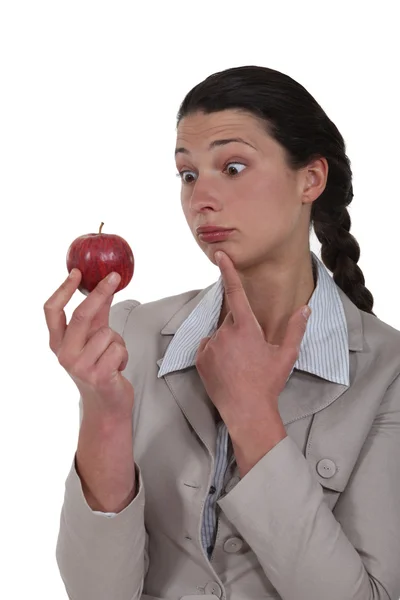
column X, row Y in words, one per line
column 89, row 350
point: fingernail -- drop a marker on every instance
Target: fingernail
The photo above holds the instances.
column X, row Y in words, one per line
column 306, row 312
column 113, row 278
column 73, row 272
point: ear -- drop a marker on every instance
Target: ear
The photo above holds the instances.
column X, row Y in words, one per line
column 314, row 180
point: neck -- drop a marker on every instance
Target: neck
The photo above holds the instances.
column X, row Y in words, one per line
column 275, row 290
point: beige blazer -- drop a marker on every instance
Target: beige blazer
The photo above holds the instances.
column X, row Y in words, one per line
column 317, row 518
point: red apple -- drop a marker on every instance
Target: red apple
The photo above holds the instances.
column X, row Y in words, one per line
column 98, row 254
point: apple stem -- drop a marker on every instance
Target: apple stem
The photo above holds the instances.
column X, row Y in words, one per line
column 101, row 227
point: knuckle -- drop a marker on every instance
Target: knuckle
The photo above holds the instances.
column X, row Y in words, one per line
column 101, row 377
column 69, row 362
column 80, row 372
column 115, row 347
column 119, row 352
column 108, row 334
column 78, row 316
column 64, row 360
column 48, row 306
column 120, row 340
column 85, row 376
column 53, row 347
column 232, row 288
column 105, row 332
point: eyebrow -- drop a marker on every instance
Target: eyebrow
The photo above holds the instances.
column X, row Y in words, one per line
column 217, row 143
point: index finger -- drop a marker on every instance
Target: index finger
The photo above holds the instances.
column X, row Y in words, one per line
column 54, row 308
column 236, row 296
column 78, row 329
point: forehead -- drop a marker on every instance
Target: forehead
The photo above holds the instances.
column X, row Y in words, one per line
column 200, row 128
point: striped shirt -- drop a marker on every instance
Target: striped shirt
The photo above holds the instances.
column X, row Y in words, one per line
column 323, row 352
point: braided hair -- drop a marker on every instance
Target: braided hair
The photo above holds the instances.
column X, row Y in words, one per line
column 340, row 251
column 295, row 119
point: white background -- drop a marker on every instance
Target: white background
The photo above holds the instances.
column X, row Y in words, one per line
column 88, row 98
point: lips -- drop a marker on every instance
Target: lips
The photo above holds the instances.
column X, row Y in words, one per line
column 211, row 229
column 212, row 237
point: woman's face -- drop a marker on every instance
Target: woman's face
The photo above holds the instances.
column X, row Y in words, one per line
column 234, row 175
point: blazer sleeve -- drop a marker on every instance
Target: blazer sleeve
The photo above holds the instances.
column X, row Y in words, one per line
column 102, row 557
column 309, row 552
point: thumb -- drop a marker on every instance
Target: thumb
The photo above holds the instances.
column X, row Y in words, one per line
column 101, row 319
column 295, row 331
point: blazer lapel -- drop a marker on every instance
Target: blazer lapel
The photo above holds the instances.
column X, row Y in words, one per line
column 186, row 385
column 304, row 394
column 188, row 390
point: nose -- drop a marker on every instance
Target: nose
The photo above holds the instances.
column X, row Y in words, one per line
column 204, row 196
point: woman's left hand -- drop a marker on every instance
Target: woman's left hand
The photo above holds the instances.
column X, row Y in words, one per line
column 242, row 373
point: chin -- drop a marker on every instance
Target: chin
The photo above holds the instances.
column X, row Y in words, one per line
column 237, row 260
column 242, row 261
column 213, row 248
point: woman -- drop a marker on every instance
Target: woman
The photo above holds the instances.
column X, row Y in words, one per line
column 248, row 449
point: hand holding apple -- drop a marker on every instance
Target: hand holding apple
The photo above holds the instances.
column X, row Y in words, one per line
column 98, row 254
column 93, row 354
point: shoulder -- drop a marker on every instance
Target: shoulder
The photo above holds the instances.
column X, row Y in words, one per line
column 149, row 315
column 378, row 362
column 380, row 336
column 377, row 344
column 142, row 327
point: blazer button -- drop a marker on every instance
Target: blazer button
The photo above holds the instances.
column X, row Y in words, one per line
column 326, row 468
column 213, row 588
column 234, row 544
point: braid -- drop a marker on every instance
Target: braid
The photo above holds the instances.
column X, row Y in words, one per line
column 294, row 118
column 340, row 251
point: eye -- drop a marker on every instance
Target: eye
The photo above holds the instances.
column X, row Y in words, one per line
column 234, row 168
column 187, row 176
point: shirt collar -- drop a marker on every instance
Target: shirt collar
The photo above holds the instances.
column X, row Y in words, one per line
column 324, row 350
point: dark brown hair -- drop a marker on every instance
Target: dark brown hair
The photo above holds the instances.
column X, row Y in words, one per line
column 295, row 120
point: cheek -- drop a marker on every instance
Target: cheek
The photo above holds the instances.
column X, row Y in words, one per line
column 269, row 208
column 268, row 195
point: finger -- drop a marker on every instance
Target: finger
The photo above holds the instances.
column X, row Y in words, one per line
column 236, row 296
column 54, row 309
column 227, row 321
column 111, row 362
column 80, row 324
column 295, row 331
column 94, row 349
column 102, row 318
column 203, row 344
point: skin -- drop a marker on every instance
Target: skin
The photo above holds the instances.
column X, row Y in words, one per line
column 244, row 374
column 267, row 203
column 265, row 266
column 267, row 275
